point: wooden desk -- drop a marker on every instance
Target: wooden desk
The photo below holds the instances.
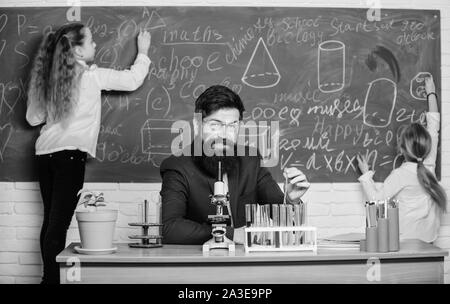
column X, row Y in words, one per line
column 416, row 262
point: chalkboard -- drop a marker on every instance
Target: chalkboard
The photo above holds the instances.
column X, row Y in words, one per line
column 338, row 82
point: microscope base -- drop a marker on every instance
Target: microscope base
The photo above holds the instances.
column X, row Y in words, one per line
column 213, row 244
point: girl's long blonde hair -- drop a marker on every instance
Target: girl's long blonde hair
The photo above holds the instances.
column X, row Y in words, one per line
column 55, row 75
column 415, row 144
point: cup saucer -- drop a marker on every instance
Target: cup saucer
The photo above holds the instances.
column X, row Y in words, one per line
column 94, row 251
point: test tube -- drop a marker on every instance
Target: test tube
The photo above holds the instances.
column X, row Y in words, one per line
column 297, row 223
column 269, row 239
column 283, row 224
column 143, row 214
column 276, row 223
column 303, row 222
column 289, row 222
column 248, row 223
column 255, row 223
column 262, row 216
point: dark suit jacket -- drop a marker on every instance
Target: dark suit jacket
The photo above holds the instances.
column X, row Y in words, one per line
column 185, row 197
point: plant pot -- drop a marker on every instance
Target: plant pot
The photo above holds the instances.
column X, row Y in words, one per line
column 96, row 228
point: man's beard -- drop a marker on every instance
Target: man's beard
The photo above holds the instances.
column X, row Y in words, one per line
column 228, row 158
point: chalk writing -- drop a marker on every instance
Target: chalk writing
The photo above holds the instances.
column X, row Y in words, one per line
column 314, row 71
column 2, row 46
column 5, row 135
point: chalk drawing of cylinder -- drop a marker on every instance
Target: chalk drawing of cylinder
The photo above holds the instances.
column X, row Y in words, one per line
column 331, row 66
column 379, row 103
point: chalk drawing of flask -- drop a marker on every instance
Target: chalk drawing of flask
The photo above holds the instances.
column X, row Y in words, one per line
column 331, row 66
column 379, row 103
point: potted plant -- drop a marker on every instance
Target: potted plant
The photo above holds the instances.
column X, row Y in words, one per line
column 96, row 226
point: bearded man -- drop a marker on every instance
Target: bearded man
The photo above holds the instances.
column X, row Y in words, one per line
column 188, row 180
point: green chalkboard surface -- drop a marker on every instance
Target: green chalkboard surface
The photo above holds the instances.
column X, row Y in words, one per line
column 337, row 83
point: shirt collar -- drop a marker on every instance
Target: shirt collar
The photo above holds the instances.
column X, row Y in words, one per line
column 410, row 166
column 86, row 66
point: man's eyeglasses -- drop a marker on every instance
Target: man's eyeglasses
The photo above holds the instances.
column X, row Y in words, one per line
column 216, row 125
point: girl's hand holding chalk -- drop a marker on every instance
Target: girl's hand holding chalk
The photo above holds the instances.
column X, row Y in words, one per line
column 430, row 90
column 429, row 85
column 144, row 39
column 363, row 163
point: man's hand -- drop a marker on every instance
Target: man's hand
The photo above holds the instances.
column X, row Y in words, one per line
column 239, row 235
column 363, row 163
column 297, row 184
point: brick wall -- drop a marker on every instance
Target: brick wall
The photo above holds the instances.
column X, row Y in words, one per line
column 333, row 207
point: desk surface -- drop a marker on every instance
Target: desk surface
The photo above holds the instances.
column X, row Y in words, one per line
column 193, row 254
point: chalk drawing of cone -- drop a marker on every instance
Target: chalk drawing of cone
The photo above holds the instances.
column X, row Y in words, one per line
column 417, row 86
column 331, row 66
column 380, row 102
column 261, row 71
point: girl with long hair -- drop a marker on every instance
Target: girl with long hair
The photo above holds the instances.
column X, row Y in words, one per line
column 422, row 200
column 64, row 96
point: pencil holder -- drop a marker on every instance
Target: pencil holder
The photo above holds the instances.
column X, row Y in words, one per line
column 371, row 239
column 383, row 235
column 394, row 231
column 362, row 245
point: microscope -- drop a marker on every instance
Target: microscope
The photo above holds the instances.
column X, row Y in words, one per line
column 219, row 220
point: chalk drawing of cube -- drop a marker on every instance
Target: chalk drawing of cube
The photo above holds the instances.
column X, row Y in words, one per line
column 157, row 136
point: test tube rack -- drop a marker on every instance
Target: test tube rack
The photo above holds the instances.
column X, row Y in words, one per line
column 308, row 243
column 145, row 237
column 278, row 227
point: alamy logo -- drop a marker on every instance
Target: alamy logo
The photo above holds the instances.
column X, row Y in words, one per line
column 73, row 273
column 373, row 274
column 374, row 12
column 74, row 12
column 253, row 137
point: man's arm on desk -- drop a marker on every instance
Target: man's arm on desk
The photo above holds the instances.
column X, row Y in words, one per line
column 177, row 229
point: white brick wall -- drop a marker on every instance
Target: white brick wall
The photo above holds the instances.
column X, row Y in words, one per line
column 334, row 208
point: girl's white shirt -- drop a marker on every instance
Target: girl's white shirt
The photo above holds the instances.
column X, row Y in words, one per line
column 81, row 129
column 419, row 215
